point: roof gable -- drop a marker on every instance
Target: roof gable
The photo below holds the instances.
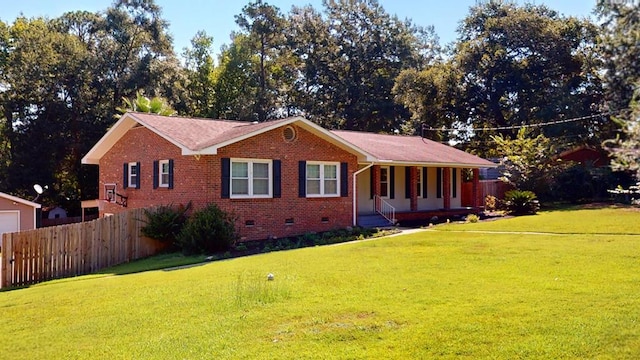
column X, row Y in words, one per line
column 204, row 136
column 20, row 200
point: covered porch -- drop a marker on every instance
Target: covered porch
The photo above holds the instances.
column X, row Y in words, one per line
column 387, row 194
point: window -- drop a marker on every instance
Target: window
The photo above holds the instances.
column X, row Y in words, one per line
column 322, row 179
column 133, row 175
column 250, row 178
column 163, row 175
column 384, row 182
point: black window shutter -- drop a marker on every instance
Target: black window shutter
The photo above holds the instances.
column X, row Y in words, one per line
column 454, row 182
column 302, row 179
column 425, row 176
column 138, row 176
column 371, row 184
column 156, row 174
column 344, row 179
column 407, row 182
column 439, row 183
column 170, row 173
column 392, row 181
column 125, row 175
column 277, row 178
column 225, row 175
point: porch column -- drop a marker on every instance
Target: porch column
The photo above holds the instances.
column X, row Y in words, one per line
column 375, row 184
column 413, row 190
column 375, row 180
column 476, row 188
column 446, row 187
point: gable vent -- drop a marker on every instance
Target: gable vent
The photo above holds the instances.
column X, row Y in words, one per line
column 289, row 133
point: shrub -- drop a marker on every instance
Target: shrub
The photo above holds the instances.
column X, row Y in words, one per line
column 207, row 231
column 521, row 202
column 490, row 203
column 472, row 218
column 165, row 222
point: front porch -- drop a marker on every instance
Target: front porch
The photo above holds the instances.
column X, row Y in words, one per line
column 415, row 194
column 416, row 218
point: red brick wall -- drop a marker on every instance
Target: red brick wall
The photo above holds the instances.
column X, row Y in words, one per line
column 198, row 180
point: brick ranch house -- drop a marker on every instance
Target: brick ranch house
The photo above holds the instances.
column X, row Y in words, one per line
column 280, row 178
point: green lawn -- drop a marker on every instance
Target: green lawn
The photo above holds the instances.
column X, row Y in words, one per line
column 445, row 293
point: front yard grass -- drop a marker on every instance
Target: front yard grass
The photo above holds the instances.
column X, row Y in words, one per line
column 446, row 294
column 576, row 220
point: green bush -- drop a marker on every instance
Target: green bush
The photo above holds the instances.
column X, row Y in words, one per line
column 165, row 222
column 208, row 231
column 521, row 202
column 472, row 218
column 490, row 203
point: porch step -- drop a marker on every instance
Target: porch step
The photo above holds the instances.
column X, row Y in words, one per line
column 373, row 221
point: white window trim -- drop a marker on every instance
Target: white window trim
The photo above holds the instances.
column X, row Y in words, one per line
column 322, row 178
column 160, row 173
column 130, row 174
column 388, row 168
column 250, row 163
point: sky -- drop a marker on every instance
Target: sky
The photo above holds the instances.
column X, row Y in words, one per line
column 216, row 17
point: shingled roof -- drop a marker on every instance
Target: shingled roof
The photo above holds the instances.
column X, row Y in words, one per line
column 196, row 136
column 204, row 136
column 411, row 150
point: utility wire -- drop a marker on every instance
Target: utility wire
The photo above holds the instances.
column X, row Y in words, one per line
column 513, row 127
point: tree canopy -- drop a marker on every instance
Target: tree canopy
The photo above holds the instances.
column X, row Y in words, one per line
column 349, row 64
column 60, row 83
column 511, row 66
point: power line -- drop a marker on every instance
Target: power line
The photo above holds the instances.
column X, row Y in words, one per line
column 514, row 127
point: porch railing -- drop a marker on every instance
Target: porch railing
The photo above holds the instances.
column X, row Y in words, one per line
column 384, row 208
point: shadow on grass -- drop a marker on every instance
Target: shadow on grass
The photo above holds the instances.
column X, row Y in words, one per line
column 177, row 261
column 157, row 262
column 558, row 206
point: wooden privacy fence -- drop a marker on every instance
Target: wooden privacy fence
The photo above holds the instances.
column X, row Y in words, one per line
column 33, row 256
column 495, row 188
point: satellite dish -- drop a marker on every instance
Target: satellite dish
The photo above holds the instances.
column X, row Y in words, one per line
column 38, row 189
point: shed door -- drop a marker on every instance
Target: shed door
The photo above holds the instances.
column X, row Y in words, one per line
column 9, row 221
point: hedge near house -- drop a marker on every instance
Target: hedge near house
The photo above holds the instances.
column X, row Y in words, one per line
column 207, row 231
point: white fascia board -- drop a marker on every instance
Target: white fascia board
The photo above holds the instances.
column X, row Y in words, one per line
column 109, row 139
column 185, row 150
column 20, row 200
column 335, row 139
column 429, row 164
column 304, row 123
column 116, row 132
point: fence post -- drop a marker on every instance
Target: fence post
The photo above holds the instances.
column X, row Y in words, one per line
column 6, row 265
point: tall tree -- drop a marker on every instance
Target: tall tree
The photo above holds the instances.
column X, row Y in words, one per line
column 527, row 65
column 235, row 82
column 625, row 150
column 263, row 25
column 133, row 38
column 432, row 96
column 512, row 66
column 200, row 66
column 61, row 81
column 619, row 46
column 348, row 61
